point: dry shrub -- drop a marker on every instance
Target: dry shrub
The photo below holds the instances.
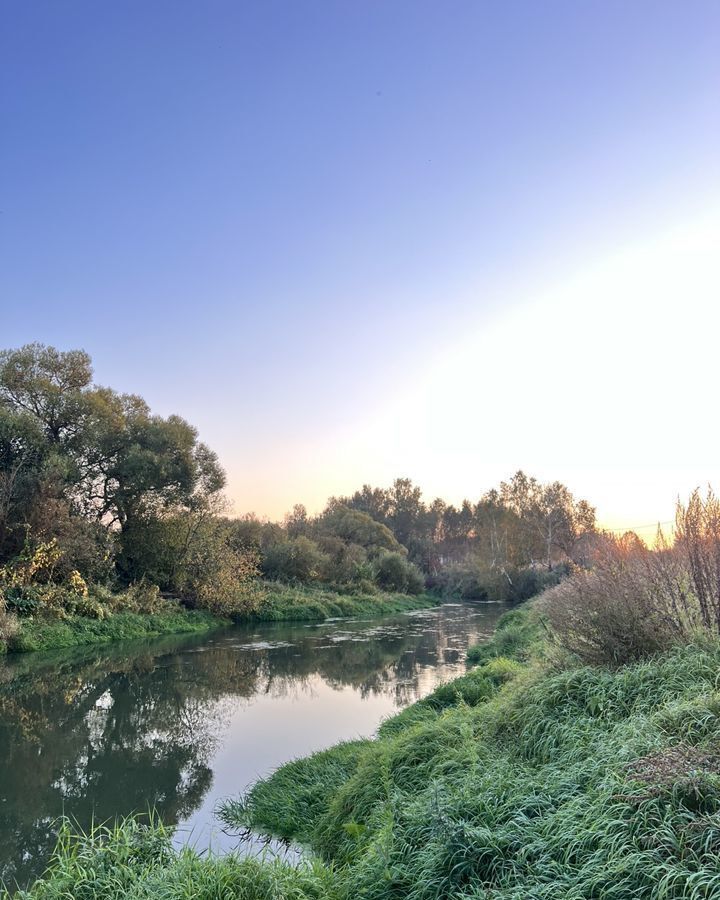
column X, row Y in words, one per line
column 697, row 546
column 141, row 597
column 9, row 624
column 687, row 774
column 632, row 602
column 663, row 768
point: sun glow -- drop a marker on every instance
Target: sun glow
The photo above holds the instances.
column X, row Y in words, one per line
column 600, row 381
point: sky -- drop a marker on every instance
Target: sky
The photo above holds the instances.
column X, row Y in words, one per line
column 356, row 241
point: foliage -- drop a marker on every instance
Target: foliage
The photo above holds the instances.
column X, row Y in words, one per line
column 520, row 525
column 9, row 625
column 357, row 528
column 223, row 580
column 472, row 579
column 697, row 548
column 126, row 496
column 33, row 585
column 295, row 560
column 635, row 601
column 120, row 458
column 393, row 572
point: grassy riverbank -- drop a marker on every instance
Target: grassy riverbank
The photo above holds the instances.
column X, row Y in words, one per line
column 523, row 778
column 78, row 631
column 283, row 603
column 280, row 603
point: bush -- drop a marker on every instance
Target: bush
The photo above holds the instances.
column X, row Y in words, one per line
column 355, row 527
column 629, row 605
column 344, row 563
column 472, row 579
column 634, row 602
column 8, row 625
column 393, row 572
column 295, row 560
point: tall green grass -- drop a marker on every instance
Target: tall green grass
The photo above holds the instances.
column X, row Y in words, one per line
column 301, row 603
column 135, row 860
column 39, row 634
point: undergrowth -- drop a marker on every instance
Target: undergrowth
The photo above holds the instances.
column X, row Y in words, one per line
column 280, row 603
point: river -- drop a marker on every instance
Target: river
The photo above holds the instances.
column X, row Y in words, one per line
column 179, row 723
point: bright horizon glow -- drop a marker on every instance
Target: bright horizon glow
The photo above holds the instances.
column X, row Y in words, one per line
column 351, row 242
column 623, row 353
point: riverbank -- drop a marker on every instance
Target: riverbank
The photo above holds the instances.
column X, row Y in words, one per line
column 524, row 777
column 285, row 603
column 78, row 631
column 521, row 778
column 280, row 603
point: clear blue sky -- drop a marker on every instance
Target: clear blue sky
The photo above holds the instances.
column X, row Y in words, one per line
column 273, row 217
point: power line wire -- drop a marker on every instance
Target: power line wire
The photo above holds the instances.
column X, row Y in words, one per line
column 638, row 527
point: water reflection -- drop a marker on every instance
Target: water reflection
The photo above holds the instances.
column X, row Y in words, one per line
column 179, row 722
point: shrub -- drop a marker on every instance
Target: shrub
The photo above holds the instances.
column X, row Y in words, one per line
column 298, row 559
column 393, row 572
column 632, row 603
column 356, row 527
column 344, row 563
column 472, row 579
column 697, row 545
column 8, row 625
column 224, row 582
column 37, row 584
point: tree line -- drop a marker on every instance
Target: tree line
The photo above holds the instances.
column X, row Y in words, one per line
column 98, row 494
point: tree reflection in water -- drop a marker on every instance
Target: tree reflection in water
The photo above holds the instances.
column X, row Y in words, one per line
column 99, row 733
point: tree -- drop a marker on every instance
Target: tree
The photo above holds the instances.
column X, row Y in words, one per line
column 79, row 463
column 356, row 527
column 373, row 501
column 550, row 518
column 296, row 522
column 23, row 456
column 134, row 464
column 406, row 508
column 49, row 385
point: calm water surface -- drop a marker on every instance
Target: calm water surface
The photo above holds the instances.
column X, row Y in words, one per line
column 180, row 723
